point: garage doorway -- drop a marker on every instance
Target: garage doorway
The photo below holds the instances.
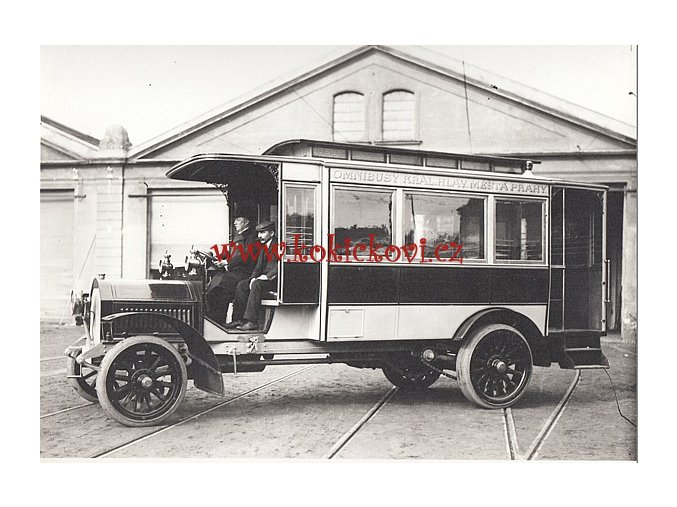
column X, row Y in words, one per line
column 56, row 252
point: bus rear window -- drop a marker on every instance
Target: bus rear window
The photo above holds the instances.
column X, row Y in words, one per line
column 519, row 230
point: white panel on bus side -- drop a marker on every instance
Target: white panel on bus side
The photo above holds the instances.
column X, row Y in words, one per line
column 362, row 323
column 300, row 172
column 295, row 322
column 346, row 323
column 412, row 322
column 418, row 322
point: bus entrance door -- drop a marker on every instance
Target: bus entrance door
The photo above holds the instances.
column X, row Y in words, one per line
column 583, row 260
column 577, row 302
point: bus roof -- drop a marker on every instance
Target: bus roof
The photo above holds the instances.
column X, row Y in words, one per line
column 400, row 156
column 223, row 168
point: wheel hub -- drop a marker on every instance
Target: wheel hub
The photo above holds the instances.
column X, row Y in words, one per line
column 500, row 366
column 144, row 381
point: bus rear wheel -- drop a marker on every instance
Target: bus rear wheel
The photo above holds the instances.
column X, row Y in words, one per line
column 409, row 373
column 494, row 366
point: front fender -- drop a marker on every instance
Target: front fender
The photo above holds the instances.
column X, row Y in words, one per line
column 205, row 368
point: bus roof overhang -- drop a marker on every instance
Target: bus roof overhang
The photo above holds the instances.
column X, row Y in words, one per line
column 252, row 177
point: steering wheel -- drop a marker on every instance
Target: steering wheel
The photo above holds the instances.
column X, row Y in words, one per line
column 206, row 257
column 198, row 262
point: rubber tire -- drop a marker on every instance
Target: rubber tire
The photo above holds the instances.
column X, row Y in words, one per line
column 108, row 359
column 463, row 367
column 85, row 391
column 409, row 384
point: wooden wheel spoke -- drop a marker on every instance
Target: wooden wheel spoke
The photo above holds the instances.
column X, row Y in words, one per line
column 123, row 391
column 509, row 355
column 159, row 395
column 481, row 378
column 146, row 397
column 163, row 370
column 156, row 363
column 515, row 372
column 128, row 399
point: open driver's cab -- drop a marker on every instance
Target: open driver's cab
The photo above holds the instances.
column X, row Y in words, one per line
column 254, row 187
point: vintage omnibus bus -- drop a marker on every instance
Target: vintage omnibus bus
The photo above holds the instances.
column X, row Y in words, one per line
column 418, row 263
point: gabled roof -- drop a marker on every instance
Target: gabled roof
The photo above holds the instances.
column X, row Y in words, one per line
column 427, row 59
column 66, row 140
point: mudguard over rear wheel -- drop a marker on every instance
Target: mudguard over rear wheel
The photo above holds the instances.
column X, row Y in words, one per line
column 494, row 366
column 142, row 381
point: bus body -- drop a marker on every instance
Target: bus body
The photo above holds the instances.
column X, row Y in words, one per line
column 419, row 263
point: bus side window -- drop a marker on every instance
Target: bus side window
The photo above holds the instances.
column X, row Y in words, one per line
column 445, row 219
column 299, row 225
column 519, row 230
column 360, row 214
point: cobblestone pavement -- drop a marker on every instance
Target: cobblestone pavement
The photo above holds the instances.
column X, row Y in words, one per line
column 323, row 411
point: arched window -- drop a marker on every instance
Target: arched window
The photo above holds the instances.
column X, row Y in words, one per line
column 399, row 116
column 349, row 117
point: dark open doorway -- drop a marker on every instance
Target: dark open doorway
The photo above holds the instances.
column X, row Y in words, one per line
column 614, row 251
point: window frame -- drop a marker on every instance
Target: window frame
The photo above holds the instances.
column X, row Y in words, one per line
column 289, row 252
column 396, row 227
column 543, row 261
column 194, row 197
column 365, row 125
column 414, row 127
column 466, row 195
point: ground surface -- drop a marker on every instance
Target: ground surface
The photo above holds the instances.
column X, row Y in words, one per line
column 314, row 413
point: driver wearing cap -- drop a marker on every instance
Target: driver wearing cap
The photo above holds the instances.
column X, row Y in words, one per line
column 221, row 288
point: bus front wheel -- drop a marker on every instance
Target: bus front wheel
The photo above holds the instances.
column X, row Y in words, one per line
column 142, row 381
column 494, row 366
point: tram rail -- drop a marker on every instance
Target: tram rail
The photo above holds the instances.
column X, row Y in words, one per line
column 345, row 438
column 168, row 427
column 64, row 410
column 55, row 358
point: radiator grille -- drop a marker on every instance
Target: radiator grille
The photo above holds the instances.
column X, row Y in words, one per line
column 136, row 324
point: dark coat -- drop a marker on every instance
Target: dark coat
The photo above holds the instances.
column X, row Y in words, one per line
column 246, row 238
column 265, row 266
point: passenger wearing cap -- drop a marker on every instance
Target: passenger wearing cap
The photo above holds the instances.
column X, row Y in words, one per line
column 249, row 293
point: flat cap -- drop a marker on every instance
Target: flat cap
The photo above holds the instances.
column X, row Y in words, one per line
column 265, row 226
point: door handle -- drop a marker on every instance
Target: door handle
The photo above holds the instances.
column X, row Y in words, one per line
column 607, row 291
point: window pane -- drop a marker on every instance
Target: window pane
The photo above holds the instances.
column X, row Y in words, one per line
column 398, row 116
column 519, row 230
column 181, row 220
column 349, row 117
column 445, row 219
column 300, row 216
column 358, row 214
column 583, row 243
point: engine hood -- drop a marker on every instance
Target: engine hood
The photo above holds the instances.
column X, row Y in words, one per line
column 186, row 291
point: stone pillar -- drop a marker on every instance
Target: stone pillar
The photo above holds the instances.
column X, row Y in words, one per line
column 111, row 156
column 629, row 275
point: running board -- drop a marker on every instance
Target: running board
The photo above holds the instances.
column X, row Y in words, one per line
column 583, row 358
column 578, row 350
